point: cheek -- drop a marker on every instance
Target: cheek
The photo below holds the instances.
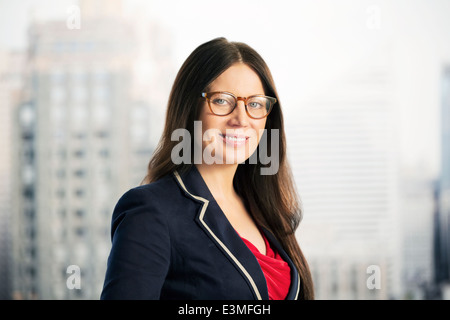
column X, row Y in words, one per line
column 203, row 113
column 211, row 124
column 259, row 127
column 210, row 130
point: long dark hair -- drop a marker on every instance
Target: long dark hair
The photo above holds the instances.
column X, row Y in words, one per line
column 272, row 199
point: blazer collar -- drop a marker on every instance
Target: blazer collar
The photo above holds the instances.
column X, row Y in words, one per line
column 214, row 222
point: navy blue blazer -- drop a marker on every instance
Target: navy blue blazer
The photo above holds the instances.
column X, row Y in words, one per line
column 171, row 240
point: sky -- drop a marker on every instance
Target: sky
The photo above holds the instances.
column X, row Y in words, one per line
column 308, row 45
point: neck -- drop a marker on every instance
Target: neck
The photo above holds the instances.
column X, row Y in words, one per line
column 219, row 179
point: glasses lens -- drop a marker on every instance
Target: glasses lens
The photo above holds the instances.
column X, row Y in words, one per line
column 259, row 107
column 222, row 103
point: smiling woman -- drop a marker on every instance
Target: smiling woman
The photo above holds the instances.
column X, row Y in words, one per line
column 237, row 127
column 221, row 230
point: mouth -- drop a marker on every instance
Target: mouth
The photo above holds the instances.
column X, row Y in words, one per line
column 234, row 139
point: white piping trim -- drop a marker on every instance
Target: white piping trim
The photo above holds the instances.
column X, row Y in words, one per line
column 298, row 286
column 202, row 213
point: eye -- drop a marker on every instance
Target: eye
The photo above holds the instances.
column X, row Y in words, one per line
column 255, row 105
column 220, row 101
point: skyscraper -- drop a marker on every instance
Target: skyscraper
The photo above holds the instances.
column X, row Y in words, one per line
column 82, row 135
column 442, row 253
column 417, row 210
column 11, row 77
column 344, row 146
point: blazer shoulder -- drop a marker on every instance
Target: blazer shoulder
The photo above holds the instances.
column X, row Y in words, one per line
column 146, row 193
column 149, row 200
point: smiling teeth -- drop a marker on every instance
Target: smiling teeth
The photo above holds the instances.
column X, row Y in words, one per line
column 234, row 138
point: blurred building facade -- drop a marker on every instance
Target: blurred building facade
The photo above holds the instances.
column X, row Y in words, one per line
column 442, row 217
column 417, row 210
column 11, row 81
column 346, row 172
column 83, row 136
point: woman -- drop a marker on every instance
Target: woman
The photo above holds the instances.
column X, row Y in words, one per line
column 213, row 226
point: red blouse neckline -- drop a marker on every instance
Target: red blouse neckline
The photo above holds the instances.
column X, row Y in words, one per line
column 276, row 271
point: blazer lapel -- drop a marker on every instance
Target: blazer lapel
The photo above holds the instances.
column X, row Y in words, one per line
column 214, row 222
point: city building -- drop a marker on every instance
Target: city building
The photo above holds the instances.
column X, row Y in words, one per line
column 442, row 240
column 344, row 145
column 417, row 209
column 11, row 81
column 83, row 138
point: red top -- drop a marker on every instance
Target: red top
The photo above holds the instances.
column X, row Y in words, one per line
column 275, row 269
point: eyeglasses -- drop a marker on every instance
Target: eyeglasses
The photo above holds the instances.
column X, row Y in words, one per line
column 223, row 103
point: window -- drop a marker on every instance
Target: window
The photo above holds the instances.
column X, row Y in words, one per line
column 61, row 173
column 79, row 193
column 27, row 174
column 104, row 153
column 79, row 173
column 80, row 231
column 62, row 213
column 79, row 94
column 58, row 113
column 79, row 153
column 79, row 76
column 28, row 192
column 57, row 77
column 27, row 115
column 100, row 93
column 80, row 114
column 57, row 95
column 102, row 134
column 101, row 114
column 100, row 77
column 60, row 193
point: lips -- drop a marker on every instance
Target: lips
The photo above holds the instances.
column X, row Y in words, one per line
column 234, row 139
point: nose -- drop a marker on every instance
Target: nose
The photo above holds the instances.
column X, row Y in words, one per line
column 239, row 116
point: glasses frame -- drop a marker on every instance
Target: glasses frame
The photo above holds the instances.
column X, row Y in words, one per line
column 206, row 95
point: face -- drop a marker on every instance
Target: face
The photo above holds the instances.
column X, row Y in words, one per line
column 233, row 138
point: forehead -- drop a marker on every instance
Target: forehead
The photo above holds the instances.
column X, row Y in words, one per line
column 239, row 79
